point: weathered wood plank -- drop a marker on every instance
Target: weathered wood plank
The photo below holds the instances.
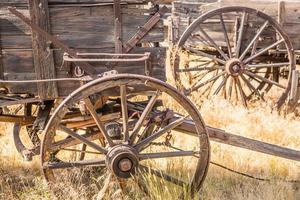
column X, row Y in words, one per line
column 222, row 136
column 42, row 54
column 1, row 60
column 87, row 29
column 18, row 65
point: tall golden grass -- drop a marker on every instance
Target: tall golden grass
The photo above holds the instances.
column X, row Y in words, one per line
column 22, row 180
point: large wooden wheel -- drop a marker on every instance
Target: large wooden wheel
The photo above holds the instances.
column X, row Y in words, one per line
column 133, row 143
column 235, row 52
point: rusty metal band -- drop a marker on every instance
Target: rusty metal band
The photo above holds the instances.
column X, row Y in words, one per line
column 142, row 32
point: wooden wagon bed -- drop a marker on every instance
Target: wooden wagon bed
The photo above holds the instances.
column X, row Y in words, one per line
column 286, row 12
column 85, row 26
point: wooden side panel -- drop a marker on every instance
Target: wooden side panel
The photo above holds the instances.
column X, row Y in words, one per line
column 25, row 60
column 84, row 27
column 287, row 13
column 1, row 60
column 42, row 54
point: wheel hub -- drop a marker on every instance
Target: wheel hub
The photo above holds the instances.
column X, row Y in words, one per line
column 122, row 161
column 234, row 67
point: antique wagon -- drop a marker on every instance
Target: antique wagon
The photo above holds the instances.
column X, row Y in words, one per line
column 238, row 50
column 89, row 76
column 85, row 80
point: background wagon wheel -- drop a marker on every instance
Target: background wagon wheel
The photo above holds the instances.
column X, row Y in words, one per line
column 25, row 148
column 228, row 52
column 141, row 148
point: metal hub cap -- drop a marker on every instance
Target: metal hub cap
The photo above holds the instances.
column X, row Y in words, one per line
column 234, row 67
column 122, row 160
column 125, row 165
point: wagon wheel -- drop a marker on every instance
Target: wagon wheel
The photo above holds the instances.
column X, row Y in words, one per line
column 24, row 148
column 228, row 52
column 140, row 145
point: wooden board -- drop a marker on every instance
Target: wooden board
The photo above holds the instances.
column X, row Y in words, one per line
column 83, row 26
column 286, row 12
column 42, row 54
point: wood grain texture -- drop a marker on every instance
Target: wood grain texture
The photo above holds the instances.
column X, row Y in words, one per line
column 84, row 28
column 42, row 54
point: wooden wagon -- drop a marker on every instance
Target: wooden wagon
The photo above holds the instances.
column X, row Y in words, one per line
column 255, row 41
column 85, row 80
column 88, row 77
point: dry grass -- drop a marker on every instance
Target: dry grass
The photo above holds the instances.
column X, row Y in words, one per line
column 21, row 180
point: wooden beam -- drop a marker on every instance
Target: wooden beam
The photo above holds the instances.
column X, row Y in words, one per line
column 222, row 136
column 42, row 54
column 1, row 56
column 22, row 120
column 118, row 26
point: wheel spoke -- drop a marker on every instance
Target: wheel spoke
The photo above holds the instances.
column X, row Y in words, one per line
column 83, row 139
column 240, row 36
column 251, row 87
column 221, row 85
column 124, row 111
column 196, row 87
column 214, row 44
column 141, row 120
column 271, row 65
column 264, row 79
column 202, row 40
column 242, row 93
column 159, row 133
column 162, row 175
column 68, row 142
column 230, row 88
column 94, row 114
column 83, row 163
column 262, row 51
column 236, row 90
column 203, row 54
column 262, row 28
column 226, row 35
column 83, row 151
column 146, row 156
column 102, row 192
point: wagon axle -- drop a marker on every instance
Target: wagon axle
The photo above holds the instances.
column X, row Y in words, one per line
column 234, row 67
column 122, row 160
